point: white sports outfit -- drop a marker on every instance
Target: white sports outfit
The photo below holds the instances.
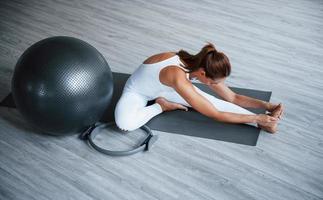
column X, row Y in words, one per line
column 143, row 85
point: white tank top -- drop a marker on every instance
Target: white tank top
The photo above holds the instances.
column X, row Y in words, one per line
column 145, row 79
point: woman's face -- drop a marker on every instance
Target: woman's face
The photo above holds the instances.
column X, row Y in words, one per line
column 201, row 76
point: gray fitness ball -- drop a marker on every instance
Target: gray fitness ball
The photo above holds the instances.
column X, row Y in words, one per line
column 61, row 85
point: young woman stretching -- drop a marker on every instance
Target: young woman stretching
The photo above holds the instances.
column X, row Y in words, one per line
column 165, row 78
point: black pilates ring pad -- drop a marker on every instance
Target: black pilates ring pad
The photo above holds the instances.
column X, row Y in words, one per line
column 92, row 131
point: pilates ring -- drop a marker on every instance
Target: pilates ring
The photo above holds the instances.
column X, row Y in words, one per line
column 92, row 131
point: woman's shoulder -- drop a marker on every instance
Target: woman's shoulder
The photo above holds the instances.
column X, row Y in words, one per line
column 159, row 57
column 172, row 74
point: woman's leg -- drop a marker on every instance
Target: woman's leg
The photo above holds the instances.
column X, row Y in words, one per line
column 131, row 111
column 224, row 106
column 219, row 104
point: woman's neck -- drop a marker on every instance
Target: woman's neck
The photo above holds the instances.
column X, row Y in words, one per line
column 191, row 75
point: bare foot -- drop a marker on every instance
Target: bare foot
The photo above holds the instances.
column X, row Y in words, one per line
column 278, row 111
column 168, row 105
column 271, row 127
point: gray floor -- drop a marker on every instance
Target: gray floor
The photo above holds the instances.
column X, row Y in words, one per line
column 273, row 45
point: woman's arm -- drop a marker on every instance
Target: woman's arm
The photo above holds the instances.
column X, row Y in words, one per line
column 244, row 101
column 185, row 88
column 249, row 102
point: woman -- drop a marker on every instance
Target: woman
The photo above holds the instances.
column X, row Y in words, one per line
column 165, row 78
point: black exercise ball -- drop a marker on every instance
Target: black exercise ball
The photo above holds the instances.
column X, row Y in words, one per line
column 61, row 85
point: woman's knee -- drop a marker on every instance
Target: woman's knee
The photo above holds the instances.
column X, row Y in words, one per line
column 124, row 118
column 125, row 124
column 121, row 118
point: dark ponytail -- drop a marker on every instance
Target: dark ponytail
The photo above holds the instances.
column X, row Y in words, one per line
column 215, row 64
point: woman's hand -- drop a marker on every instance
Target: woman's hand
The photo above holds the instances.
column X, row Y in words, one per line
column 264, row 119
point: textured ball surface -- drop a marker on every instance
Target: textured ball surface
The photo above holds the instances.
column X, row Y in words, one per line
column 61, row 85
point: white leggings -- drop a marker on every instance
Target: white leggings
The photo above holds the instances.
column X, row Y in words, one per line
column 131, row 111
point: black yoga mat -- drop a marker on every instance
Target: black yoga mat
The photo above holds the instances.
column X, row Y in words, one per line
column 190, row 123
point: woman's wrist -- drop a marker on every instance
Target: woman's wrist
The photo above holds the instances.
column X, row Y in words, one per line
column 255, row 119
column 268, row 106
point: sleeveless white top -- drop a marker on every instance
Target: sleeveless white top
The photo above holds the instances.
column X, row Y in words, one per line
column 145, row 79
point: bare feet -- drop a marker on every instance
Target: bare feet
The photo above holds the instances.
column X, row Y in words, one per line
column 278, row 111
column 168, row 105
column 271, row 127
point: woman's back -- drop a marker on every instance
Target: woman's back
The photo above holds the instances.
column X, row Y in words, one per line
column 159, row 57
column 145, row 79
